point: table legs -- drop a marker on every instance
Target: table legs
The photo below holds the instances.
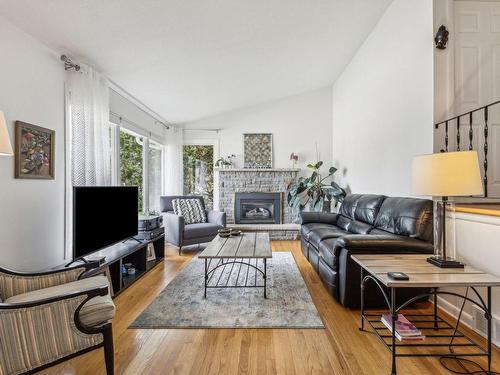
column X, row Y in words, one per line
column 265, row 278
column 209, row 273
column 206, row 278
column 435, row 308
column 362, row 328
column 489, row 327
column 394, row 315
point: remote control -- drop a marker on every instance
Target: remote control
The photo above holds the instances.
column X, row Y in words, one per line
column 398, row 276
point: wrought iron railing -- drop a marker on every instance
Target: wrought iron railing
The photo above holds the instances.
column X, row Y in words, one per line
column 469, row 115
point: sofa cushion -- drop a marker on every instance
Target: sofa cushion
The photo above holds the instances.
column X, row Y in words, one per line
column 320, row 234
column 349, row 205
column 166, row 201
column 97, row 311
column 306, row 229
column 409, row 217
column 353, row 226
column 191, row 209
column 326, row 252
column 367, row 208
column 200, row 230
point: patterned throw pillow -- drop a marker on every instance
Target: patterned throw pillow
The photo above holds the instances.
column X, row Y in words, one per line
column 191, row 209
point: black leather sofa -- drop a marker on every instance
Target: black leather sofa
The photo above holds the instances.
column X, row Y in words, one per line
column 365, row 224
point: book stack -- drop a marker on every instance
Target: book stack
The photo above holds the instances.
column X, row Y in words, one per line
column 405, row 330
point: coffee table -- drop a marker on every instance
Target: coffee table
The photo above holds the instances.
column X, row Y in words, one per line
column 237, row 262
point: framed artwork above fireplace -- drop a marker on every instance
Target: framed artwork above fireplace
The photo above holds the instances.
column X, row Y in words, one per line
column 258, row 150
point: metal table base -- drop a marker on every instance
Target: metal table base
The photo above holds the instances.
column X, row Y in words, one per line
column 433, row 326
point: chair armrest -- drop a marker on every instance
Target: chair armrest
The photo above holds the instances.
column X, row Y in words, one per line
column 88, row 292
column 24, row 328
column 13, row 283
column 216, row 217
column 318, row 217
column 174, row 228
column 366, row 243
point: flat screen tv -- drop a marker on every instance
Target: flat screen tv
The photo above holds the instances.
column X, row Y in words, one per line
column 103, row 216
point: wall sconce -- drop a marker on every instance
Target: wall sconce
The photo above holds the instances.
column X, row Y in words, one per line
column 441, row 38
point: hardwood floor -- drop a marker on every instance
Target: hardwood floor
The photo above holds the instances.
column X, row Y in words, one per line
column 338, row 349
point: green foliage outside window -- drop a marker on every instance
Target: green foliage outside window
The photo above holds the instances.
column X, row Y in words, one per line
column 131, row 164
column 199, row 171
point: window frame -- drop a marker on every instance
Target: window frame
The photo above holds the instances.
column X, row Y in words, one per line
column 147, row 142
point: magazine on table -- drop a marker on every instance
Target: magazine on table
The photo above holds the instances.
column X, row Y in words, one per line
column 405, row 330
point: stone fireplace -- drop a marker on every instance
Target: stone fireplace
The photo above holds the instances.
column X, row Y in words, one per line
column 257, row 208
column 232, row 182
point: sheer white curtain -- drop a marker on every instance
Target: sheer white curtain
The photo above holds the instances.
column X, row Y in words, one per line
column 89, row 128
column 88, row 137
column 173, row 161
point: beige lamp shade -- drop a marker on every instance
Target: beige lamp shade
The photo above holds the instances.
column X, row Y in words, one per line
column 447, row 174
column 5, row 146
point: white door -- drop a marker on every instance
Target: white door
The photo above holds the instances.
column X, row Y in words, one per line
column 477, row 82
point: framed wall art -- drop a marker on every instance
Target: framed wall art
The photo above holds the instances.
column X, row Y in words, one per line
column 258, row 150
column 34, row 152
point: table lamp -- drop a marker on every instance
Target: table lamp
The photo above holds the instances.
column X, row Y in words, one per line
column 5, row 146
column 446, row 174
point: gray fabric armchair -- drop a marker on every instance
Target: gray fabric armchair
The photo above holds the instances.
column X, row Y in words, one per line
column 180, row 234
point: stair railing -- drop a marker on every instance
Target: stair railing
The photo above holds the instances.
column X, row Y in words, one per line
column 469, row 115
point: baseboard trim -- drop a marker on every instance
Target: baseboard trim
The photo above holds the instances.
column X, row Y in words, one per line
column 467, row 319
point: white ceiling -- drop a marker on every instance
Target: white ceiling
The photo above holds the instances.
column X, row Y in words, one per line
column 189, row 59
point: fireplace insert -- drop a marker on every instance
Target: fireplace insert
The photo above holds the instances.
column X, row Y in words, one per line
column 257, row 208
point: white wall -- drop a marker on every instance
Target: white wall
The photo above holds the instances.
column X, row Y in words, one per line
column 32, row 212
column 473, row 240
column 296, row 122
column 383, row 102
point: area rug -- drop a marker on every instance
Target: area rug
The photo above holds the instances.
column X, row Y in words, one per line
column 181, row 303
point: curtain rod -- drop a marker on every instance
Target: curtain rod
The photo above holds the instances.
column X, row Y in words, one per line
column 70, row 64
column 124, row 119
column 138, row 104
column 202, row 130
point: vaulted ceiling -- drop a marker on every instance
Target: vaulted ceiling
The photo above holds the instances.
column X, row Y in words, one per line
column 188, row 59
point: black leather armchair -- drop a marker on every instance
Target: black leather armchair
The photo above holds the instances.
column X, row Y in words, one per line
column 365, row 224
column 180, row 234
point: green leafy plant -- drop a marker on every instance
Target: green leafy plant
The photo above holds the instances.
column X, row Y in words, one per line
column 314, row 191
column 131, row 163
column 224, row 162
column 198, row 170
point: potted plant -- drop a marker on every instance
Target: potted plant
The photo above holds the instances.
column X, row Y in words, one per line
column 314, row 192
column 225, row 162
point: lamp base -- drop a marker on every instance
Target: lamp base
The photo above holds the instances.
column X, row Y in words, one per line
column 441, row 262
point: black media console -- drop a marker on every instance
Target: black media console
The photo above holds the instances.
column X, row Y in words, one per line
column 130, row 251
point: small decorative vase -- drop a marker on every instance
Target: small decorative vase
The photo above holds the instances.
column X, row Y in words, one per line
column 327, row 206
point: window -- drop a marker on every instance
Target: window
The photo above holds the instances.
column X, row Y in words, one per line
column 155, row 157
column 198, row 161
column 132, row 162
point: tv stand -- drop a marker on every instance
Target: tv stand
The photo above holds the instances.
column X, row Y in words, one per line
column 134, row 252
column 98, row 260
column 132, row 238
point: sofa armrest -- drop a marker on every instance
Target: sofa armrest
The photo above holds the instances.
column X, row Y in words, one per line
column 349, row 272
column 174, row 228
column 216, row 217
column 366, row 243
column 318, row 217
